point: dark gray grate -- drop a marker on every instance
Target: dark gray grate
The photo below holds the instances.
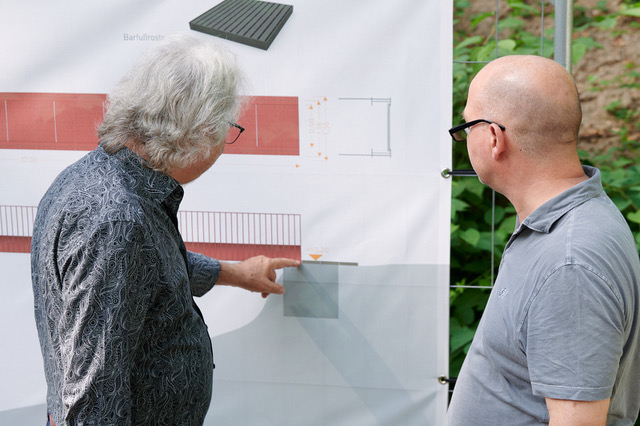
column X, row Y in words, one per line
column 251, row 22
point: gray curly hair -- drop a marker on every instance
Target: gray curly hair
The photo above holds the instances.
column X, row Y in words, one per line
column 175, row 104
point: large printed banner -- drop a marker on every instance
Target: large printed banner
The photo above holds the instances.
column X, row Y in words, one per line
column 348, row 106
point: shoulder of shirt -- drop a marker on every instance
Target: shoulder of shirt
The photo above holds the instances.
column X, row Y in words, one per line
column 95, row 189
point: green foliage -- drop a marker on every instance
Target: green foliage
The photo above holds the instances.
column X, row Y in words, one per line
column 601, row 18
column 463, row 322
column 626, row 115
column 630, row 9
column 619, row 165
column 473, row 250
column 629, row 79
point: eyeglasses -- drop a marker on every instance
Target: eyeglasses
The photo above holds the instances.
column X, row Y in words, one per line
column 459, row 133
column 235, row 130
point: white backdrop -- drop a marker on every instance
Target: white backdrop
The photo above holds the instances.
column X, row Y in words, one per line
column 361, row 335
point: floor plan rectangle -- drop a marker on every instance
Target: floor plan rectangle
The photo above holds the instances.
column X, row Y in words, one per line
column 251, row 22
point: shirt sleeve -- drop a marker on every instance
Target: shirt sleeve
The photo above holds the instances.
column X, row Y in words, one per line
column 203, row 272
column 107, row 288
column 575, row 335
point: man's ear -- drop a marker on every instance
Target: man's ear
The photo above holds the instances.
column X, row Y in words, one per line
column 498, row 141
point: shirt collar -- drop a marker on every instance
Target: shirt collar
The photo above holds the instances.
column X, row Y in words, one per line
column 148, row 182
column 543, row 218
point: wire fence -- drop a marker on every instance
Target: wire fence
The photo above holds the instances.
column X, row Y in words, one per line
column 562, row 30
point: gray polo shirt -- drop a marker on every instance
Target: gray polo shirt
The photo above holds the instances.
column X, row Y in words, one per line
column 562, row 319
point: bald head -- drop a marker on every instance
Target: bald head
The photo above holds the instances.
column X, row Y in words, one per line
column 535, row 98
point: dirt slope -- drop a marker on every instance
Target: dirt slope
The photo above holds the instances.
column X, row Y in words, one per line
column 599, row 74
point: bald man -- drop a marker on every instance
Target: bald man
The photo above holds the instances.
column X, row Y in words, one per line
column 558, row 341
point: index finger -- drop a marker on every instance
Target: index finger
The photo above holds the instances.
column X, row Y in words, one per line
column 283, row 262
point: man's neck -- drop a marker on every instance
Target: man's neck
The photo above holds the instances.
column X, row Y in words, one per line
column 537, row 190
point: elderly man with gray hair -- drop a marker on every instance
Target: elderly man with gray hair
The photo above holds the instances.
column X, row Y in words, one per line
column 122, row 339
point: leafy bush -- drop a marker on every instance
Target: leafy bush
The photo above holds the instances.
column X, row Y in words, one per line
column 481, row 220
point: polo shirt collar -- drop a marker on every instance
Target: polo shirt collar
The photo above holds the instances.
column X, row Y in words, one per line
column 543, row 218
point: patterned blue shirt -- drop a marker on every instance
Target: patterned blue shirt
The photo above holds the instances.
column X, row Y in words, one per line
column 122, row 339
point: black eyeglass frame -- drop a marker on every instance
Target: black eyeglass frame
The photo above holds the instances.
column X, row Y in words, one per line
column 237, row 126
column 467, row 126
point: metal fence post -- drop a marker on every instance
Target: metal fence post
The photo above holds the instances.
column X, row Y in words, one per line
column 563, row 32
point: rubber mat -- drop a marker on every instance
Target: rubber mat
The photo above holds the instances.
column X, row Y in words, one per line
column 250, row 22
